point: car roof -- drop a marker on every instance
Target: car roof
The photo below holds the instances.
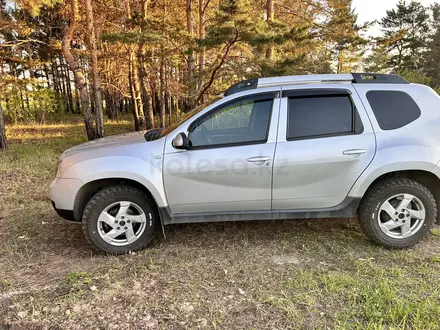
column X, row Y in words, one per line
column 356, row 78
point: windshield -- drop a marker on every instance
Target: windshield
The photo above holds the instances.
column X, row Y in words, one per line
column 188, row 115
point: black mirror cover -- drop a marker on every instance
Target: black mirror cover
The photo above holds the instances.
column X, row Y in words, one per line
column 153, row 134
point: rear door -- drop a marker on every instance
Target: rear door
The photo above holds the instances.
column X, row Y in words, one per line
column 325, row 142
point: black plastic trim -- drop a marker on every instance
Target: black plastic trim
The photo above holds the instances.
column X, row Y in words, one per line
column 346, row 209
column 225, row 145
column 315, row 92
column 65, row 214
column 378, row 78
column 242, row 86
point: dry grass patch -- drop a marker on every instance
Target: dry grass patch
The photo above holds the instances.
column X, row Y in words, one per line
column 250, row 275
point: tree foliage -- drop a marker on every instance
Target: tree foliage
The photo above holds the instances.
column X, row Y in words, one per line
column 406, row 31
column 157, row 59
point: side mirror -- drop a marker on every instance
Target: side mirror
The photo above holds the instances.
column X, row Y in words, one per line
column 180, row 141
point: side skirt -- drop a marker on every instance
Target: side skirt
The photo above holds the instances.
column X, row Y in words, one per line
column 347, row 209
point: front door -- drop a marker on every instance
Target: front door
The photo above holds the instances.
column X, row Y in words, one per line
column 228, row 166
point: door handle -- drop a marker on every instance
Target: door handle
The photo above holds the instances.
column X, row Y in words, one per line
column 258, row 159
column 354, row 152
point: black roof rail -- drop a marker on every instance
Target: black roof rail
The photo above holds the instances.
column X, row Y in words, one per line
column 242, row 86
column 378, row 78
column 358, row 78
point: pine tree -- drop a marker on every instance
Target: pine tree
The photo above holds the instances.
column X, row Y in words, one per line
column 74, row 65
column 378, row 59
column 406, row 31
column 95, row 74
column 343, row 35
column 432, row 56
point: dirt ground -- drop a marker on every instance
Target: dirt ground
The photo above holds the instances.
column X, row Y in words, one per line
column 299, row 274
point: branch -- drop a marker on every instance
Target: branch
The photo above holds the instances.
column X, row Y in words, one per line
column 208, row 84
column 177, row 47
column 206, row 5
column 20, row 42
column 117, row 88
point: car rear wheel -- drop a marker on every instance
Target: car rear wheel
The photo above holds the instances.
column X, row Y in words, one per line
column 119, row 219
column 397, row 212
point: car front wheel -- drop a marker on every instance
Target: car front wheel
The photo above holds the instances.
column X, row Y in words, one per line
column 119, row 219
column 397, row 212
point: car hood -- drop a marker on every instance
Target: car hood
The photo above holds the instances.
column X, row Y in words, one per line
column 109, row 141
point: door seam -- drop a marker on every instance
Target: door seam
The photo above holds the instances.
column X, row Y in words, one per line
column 275, row 149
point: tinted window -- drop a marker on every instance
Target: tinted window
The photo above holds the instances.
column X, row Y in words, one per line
column 319, row 116
column 245, row 121
column 393, row 109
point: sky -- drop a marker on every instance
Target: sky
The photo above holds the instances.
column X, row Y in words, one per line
column 369, row 10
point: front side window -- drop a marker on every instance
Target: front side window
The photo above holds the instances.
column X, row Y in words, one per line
column 243, row 121
column 320, row 116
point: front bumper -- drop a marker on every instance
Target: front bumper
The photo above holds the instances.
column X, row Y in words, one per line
column 62, row 193
column 65, row 214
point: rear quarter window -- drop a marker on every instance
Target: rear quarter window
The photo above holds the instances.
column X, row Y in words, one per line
column 393, row 109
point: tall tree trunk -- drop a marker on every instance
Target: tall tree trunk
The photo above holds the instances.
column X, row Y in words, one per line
column 202, row 59
column 162, row 87
column 3, row 142
column 133, row 76
column 56, row 84
column 147, row 108
column 95, row 74
column 77, row 101
column 134, row 91
column 153, row 92
column 191, row 61
column 270, row 17
column 76, row 69
column 46, row 74
column 138, row 92
column 340, row 62
column 20, row 93
column 68, row 86
column 60, row 74
column 111, row 106
column 162, row 70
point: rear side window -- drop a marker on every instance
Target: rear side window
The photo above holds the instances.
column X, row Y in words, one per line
column 393, row 109
column 320, row 116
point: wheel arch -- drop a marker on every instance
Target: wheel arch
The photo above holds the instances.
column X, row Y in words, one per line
column 88, row 190
column 424, row 177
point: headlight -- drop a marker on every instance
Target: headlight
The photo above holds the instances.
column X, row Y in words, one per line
column 62, row 167
column 58, row 168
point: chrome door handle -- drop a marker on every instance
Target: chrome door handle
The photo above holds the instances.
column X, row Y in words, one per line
column 354, row 152
column 258, row 159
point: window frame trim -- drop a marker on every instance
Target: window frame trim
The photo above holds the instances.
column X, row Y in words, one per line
column 251, row 97
column 321, row 93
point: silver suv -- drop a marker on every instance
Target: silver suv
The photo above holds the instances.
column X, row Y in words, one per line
column 315, row 146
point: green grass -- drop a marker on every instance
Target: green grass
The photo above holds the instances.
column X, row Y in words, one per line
column 363, row 295
column 305, row 274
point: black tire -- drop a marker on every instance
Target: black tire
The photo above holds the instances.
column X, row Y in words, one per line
column 382, row 191
column 102, row 200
